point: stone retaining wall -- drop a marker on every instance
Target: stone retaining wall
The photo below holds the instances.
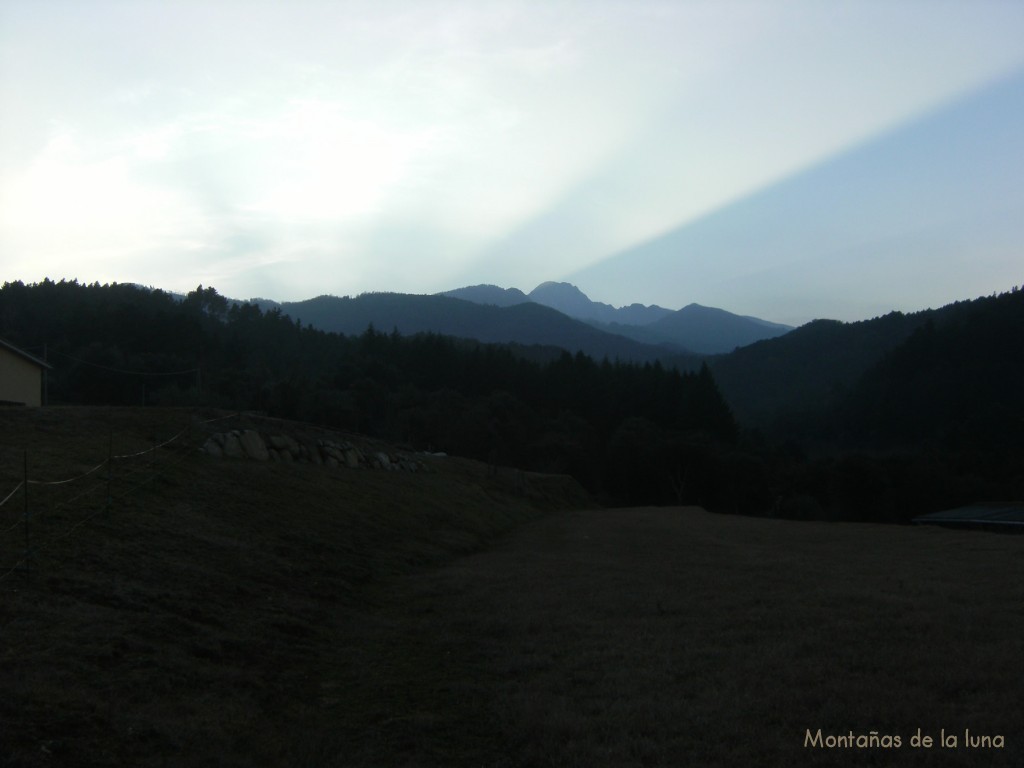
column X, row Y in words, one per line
column 250, row 444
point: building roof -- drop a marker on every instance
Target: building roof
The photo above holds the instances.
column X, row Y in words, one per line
column 22, row 353
column 987, row 515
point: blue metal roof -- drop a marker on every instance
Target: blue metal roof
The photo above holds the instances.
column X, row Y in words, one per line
column 982, row 514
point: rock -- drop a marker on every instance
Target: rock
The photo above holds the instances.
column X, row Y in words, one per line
column 253, row 445
column 233, row 446
column 283, row 443
column 331, row 450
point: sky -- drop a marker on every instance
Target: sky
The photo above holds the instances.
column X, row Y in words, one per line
column 647, row 151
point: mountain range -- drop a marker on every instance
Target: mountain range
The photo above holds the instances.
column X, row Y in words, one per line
column 552, row 314
column 779, row 383
column 878, row 419
column 949, row 376
column 776, row 377
column 527, row 323
column 694, row 328
column 567, row 299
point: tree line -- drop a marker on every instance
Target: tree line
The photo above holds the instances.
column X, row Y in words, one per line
column 932, row 422
column 632, row 433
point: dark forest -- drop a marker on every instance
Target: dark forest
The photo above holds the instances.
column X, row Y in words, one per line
column 931, row 421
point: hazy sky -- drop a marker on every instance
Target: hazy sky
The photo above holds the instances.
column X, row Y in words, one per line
column 288, row 150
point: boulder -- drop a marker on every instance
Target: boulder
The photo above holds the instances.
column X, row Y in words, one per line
column 313, row 455
column 212, row 447
column 233, row 446
column 283, row 443
column 253, row 445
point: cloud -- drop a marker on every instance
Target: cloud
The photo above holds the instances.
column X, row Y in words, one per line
column 324, row 165
column 72, row 205
column 918, row 215
column 420, row 142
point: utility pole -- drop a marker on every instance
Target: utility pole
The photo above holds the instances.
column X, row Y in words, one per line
column 28, row 537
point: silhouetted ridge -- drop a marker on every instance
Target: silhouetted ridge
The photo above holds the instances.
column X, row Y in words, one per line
column 895, row 377
column 957, row 379
column 692, row 329
column 525, row 323
column 489, row 294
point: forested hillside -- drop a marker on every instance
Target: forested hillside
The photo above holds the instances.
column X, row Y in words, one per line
column 885, row 381
column 627, row 430
column 956, row 381
column 892, row 417
column 777, row 383
column 881, row 420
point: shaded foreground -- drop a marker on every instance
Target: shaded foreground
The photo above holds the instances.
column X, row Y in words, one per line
column 678, row 637
column 186, row 622
column 233, row 613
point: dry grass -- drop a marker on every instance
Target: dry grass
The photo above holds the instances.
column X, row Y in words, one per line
column 231, row 613
column 189, row 620
column 676, row 637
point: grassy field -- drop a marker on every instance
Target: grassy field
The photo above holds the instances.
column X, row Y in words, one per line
column 677, row 637
column 235, row 613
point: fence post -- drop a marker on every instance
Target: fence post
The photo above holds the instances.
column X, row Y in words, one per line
column 110, row 468
column 28, row 535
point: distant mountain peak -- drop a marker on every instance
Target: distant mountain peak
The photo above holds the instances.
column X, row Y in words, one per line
column 696, row 327
column 486, row 293
column 568, row 288
column 570, row 300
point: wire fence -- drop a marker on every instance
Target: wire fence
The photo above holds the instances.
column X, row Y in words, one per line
column 37, row 513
